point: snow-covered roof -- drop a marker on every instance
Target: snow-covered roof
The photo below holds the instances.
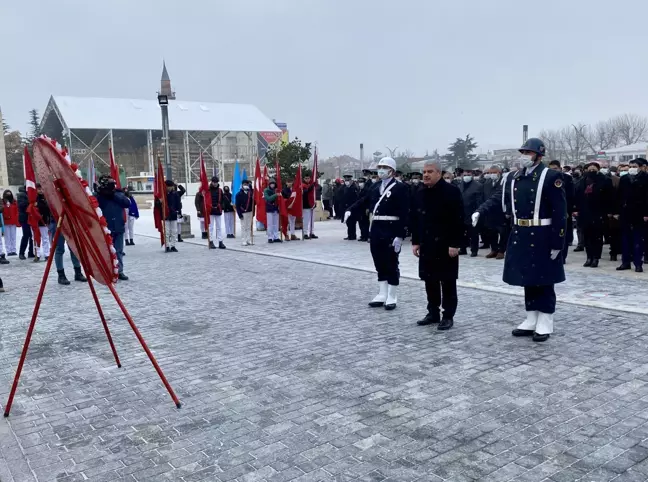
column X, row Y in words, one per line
column 144, row 114
column 632, row 148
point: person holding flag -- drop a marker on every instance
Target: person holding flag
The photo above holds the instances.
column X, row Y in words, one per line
column 294, row 203
column 270, row 196
column 244, row 209
column 308, row 205
column 215, row 197
column 259, row 201
column 203, row 201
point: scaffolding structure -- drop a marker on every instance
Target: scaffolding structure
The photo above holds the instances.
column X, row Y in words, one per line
column 136, row 149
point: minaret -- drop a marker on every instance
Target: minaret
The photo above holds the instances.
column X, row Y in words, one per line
column 4, row 173
column 165, row 84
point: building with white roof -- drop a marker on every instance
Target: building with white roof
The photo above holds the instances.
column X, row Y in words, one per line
column 222, row 133
column 626, row 153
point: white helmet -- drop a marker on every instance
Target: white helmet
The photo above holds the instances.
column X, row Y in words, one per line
column 387, row 162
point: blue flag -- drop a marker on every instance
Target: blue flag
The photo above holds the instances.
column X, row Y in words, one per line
column 236, row 181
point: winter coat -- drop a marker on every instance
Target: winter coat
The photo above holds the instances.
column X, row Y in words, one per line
column 174, row 205
column 306, row 199
column 10, row 213
column 133, row 210
column 112, row 206
column 594, row 199
column 216, row 201
column 23, row 204
column 436, row 225
column 228, row 207
column 270, row 197
column 44, row 211
column 244, row 202
column 473, row 196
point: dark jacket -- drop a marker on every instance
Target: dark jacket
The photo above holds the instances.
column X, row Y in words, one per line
column 633, row 199
column 528, row 255
column 199, row 203
column 133, row 210
column 112, row 206
column 23, row 204
column 44, row 211
column 244, row 202
column 493, row 208
column 473, row 196
column 594, row 200
column 270, row 197
column 437, row 224
column 174, row 205
column 350, row 196
column 394, row 203
column 228, row 206
column 306, row 199
column 570, row 192
column 216, row 201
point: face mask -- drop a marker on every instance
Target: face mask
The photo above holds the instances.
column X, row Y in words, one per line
column 633, row 171
column 447, row 179
column 623, row 173
column 592, row 173
column 467, row 178
column 526, row 161
column 361, row 185
column 415, row 181
column 347, row 183
column 383, row 173
column 273, row 186
column 604, row 170
column 245, row 188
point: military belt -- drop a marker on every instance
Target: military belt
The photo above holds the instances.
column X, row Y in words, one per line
column 530, row 223
column 386, row 218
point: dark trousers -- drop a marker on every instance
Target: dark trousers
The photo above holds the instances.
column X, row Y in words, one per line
column 579, row 233
column 471, row 238
column 363, row 222
column 501, row 238
column 540, row 298
column 442, row 294
column 614, row 237
column 26, row 239
column 328, row 207
column 593, row 234
column 385, row 260
column 569, row 237
column 351, row 227
column 632, row 245
column 487, row 236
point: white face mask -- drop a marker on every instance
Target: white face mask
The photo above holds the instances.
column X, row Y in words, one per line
column 623, row 173
column 604, row 170
column 447, row 179
column 633, row 171
column 467, row 178
column 347, row 183
column 415, row 181
column 361, row 185
column 526, row 160
column 383, row 173
column 246, row 187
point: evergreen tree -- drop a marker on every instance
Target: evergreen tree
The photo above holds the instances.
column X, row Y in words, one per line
column 290, row 155
column 34, row 123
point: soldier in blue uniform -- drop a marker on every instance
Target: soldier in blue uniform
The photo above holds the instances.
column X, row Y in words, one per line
column 535, row 201
column 389, row 206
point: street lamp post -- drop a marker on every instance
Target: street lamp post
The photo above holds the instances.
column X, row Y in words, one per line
column 163, row 100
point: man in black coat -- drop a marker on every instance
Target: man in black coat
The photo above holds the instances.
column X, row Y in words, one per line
column 570, row 197
column 350, row 198
column 472, row 193
column 437, row 227
column 632, row 211
column 593, row 203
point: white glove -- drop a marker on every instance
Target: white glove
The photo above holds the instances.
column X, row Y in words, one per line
column 475, row 219
column 397, row 244
column 555, row 253
column 347, row 215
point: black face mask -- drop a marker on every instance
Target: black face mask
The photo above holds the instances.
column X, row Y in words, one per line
column 9, row 197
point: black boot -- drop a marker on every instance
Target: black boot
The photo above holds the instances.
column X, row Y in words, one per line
column 578, row 249
column 204, row 235
column 62, row 279
column 613, row 257
column 78, row 276
column 180, row 240
column 624, row 267
column 221, row 245
column 3, row 260
column 211, row 245
column 446, row 324
column 588, row 263
column 594, row 264
column 429, row 319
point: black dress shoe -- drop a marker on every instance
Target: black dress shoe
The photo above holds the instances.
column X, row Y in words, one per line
column 277, row 241
column 624, row 267
column 518, row 332
column 22, row 257
column 123, row 277
column 211, row 245
column 462, row 252
column 221, row 245
column 204, row 235
column 540, row 338
column 363, row 240
column 349, row 239
column 376, row 304
column 474, row 254
column 445, row 324
column 167, row 250
column 578, row 249
column 428, row 320
column 312, row 236
column 588, row 263
column 390, row 307
column 639, row 269
column 306, row 236
column 173, row 249
column 595, row 263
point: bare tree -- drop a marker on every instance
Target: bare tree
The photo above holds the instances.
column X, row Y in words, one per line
column 631, row 128
column 553, row 143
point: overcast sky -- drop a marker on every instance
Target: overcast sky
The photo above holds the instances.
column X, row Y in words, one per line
column 412, row 73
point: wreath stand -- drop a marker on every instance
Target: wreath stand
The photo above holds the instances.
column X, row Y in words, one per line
column 73, row 219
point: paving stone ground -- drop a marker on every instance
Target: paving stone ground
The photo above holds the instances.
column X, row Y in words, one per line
column 285, row 374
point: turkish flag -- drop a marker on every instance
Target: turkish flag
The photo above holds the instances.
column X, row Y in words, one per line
column 161, row 209
column 281, row 202
column 204, row 188
column 259, row 186
column 294, row 204
column 114, row 170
